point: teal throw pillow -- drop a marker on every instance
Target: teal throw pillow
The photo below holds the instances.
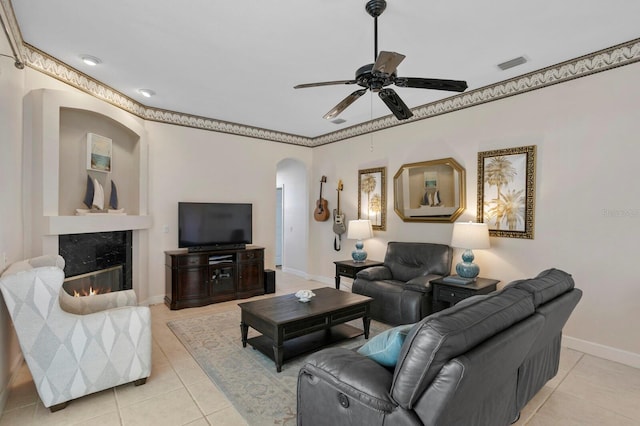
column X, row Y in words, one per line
column 385, row 347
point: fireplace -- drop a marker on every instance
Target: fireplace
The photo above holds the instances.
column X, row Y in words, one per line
column 96, row 263
column 96, row 282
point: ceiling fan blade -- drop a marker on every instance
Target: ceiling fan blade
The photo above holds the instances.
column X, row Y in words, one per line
column 387, row 62
column 324, row 83
column 344, row 104
column 395, row 104
column 432, row 83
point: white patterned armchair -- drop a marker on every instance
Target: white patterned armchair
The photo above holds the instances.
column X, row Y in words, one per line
column 71, row 355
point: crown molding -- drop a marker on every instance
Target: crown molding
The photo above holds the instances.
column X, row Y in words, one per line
column 603, row 60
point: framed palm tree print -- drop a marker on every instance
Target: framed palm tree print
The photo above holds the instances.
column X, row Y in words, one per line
column 506, row 191
column 372, row 197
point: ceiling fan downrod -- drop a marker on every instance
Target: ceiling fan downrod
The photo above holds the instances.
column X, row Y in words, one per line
column 375, row 9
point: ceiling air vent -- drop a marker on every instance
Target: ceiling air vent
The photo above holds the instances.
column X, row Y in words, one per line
column 512, row 63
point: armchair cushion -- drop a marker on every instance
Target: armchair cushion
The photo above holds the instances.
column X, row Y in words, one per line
column 409, row 260
column 421, row 283
column 385, row 347
column 375, row 273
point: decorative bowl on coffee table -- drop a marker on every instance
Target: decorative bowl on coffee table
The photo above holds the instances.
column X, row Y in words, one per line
column 304, row 296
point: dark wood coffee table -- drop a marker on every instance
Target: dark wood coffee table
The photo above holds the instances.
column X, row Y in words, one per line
column 290, row 328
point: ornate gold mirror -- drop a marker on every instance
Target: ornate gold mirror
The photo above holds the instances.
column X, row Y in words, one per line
column 429, row 191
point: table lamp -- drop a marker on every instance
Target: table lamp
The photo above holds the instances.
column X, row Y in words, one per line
column 359, row 230
column 469, row 235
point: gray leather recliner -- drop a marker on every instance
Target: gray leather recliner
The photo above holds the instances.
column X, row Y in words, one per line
column 400, row 288
column 476, row 363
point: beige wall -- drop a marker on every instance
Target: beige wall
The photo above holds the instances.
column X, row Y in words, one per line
column 587, row 209
column 587, row 217
column 188, row 164
column 11, row 239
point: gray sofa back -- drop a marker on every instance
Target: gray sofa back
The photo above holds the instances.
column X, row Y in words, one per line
column 555, row 297
column 447, row 334
column 410, row 260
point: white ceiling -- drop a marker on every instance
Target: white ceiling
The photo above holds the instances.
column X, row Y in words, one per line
column 238, row 60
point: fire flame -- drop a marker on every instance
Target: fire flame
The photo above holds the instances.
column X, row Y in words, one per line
column 91, row 292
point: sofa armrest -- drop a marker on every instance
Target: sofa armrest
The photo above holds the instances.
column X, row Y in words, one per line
column 421, row 283
column 375, row 273
column 348, row 372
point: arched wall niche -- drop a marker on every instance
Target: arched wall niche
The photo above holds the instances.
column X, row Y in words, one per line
column 75, row 125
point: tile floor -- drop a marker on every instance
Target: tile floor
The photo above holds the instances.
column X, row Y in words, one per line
column 586, row 391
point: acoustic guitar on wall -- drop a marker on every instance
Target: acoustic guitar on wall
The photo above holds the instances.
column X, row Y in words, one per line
column 321, row 213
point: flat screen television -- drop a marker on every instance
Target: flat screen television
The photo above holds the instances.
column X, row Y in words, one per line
column 214, row 226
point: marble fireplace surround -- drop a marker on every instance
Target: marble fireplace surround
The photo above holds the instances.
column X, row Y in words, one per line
column 45, row 218
column 101, row 259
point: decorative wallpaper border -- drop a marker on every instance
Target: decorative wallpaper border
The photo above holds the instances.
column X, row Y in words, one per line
column 603, row 60
column 606, row 59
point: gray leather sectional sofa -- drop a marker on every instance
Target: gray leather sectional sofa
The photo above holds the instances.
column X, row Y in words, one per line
column 476, row 363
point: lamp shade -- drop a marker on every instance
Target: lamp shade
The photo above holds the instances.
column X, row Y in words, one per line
column 359, row 229
column 469, row 235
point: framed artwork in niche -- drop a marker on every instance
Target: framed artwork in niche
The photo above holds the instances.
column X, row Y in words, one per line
column 99, row 153
column 372, row 197
column 506, row 191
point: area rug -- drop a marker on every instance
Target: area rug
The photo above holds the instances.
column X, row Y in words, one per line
column 246, row 376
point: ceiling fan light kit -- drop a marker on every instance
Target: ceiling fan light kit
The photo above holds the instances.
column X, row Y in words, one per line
column 382, row 73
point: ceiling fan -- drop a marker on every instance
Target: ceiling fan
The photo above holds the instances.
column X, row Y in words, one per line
column 377, row 76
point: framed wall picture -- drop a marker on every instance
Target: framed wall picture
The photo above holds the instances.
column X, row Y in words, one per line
column 506, row 191
column 99, row 153
column 372, row 197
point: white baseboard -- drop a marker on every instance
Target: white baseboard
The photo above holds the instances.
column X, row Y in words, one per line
column 324, row 280
column 601, row 351
column 153, row 300
column 297, row 273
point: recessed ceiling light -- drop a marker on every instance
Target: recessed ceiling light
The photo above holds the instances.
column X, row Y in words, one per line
column 339, row 121
column 147, row 93
column 90, row 60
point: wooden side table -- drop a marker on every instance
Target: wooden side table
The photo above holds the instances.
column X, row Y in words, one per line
column 349, row 268
column 446, row 294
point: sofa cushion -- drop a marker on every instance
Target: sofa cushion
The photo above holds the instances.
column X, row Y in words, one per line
column 546, row 286
column 442, row 336
column 385, row 347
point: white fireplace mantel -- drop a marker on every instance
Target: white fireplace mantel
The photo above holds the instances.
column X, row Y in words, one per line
column 62, row 225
